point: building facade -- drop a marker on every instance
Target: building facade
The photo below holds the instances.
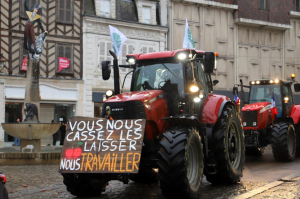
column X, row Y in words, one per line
column 254, row 39
column 143, row 22
column 59, row 88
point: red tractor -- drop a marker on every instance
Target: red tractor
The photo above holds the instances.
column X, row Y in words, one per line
column 272, row 118
column 189, row 131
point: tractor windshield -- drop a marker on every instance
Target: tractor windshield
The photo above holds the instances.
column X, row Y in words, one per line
column 262, row 93
column 160, row 76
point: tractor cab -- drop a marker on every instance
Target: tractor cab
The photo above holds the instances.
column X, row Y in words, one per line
column 278, row 90
column 183, row 76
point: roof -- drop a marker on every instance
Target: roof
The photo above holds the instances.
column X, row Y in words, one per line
column 267, row 81
column 163, row 54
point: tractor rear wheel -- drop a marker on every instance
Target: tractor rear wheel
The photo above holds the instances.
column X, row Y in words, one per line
column 84, row 185
column 283, row 139
column 228, row 148
column 298, row 140
column 180, row 163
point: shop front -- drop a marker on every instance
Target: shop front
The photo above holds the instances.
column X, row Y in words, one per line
column 58, row 104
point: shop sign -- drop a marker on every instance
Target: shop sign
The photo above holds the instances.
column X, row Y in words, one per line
column 63, row 63
column 24, row 64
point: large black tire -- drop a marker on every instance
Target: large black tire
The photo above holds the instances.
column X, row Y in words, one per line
column 180, row 163
column 298, row 140
column 3, row 191
column 283, row 140
column 228, row 148
column 145, row 175
column 84, row 185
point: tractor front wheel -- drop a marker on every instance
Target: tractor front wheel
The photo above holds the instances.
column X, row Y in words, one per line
column 180, row 163
column 283, row 139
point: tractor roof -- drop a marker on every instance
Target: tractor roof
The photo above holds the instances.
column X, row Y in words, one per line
column 163, row 54
column 269, row 81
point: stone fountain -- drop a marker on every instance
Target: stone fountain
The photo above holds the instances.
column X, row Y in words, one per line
column 31, row 131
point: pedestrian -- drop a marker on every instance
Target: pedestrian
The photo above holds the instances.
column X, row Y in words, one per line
column 17, row 140
column 62, row 132
column 55, row 135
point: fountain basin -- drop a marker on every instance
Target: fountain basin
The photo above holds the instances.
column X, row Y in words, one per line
column 30, row 131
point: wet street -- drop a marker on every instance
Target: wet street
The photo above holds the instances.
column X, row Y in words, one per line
column 263, row 178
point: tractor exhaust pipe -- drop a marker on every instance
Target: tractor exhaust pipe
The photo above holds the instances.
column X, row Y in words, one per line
column 116, row 73
column 242, row 101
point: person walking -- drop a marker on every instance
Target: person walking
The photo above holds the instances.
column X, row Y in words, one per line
column 63, row 131
column 55, row 135
column 17, row 140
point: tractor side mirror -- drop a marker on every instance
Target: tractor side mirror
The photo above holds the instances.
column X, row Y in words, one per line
column 297, row 87
column 235, row 90
column 106, row 70
column 209, row 62
column 215, row 82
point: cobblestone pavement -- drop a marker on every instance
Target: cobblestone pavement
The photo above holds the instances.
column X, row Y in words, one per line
column 44, row 181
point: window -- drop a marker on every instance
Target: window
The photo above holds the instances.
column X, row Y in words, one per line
column 30, row 3
column 264, row 4
column 65, row 11
column 297, row 5
column 103, row 54
column 105, row 8
column 23, row 54
column 65, row 52
column 201, row 77
column 146, row 14
column 126, row 10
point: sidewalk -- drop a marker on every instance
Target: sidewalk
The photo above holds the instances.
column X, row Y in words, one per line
column 16, row 149
column 8, row 148
column 12, row 155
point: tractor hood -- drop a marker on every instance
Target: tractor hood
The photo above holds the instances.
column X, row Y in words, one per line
column 144, row 96
column 257, row 106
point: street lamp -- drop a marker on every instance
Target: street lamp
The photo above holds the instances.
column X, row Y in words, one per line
column 2, row 62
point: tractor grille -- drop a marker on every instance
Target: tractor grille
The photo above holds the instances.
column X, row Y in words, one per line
column 249, row 117
column 125, row 110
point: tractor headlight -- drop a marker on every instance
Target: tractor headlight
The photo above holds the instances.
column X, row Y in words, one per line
column 131, row 60
column 197, row 99
column 253, row 82
column 276, row 81
column 109, row 93
column 244, row 123
column 194, row 88
column 182, row 56
column 257, row 82
column 254, row 123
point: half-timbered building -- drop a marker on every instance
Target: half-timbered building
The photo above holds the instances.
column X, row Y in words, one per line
column 59, row 87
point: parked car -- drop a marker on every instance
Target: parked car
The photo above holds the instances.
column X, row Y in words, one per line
column 3, row 190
